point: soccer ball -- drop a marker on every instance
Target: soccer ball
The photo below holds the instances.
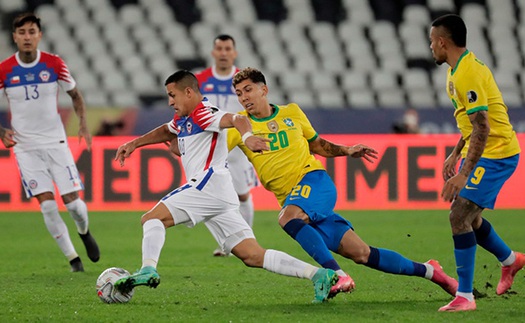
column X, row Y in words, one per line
column 105, row 289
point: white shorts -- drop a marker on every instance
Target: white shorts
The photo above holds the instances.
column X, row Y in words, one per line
column 243, row 174
column 40, row 168
column 190, row 206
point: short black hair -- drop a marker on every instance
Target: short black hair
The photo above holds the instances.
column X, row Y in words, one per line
column 23, row 18
column 224, row 37
column 249, row 73
column 454, row 27
column 183, row 79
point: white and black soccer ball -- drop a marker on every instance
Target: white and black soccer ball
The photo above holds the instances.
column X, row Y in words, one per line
column 105, row 289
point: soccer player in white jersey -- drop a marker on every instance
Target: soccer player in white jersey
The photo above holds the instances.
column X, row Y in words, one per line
column 30, row 79
column 209, row 195
column 215, row 84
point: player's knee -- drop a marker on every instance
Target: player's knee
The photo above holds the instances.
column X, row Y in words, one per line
column 70, row 197
column 244, row 197
column 361, row 254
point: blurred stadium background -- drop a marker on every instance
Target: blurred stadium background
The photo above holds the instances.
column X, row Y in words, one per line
column 353, row 65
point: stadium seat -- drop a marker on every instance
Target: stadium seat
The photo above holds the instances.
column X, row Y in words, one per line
column 416, row 14
column 331, row 99
column 324, row 80
column 303, row 97
column 422, row 99
column 362, row 99
column 354, row 81
column 391, row 98
column 12, row 5
column 294, row 80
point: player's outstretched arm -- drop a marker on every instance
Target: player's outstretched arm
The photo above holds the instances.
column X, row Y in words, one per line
column 7, row 137
column 243, row 125
column 80, row 110
column 158, row 135
column 325, row 148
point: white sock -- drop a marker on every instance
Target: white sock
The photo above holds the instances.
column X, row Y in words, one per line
column 340, row 273
column 468, row 296
column 152, row 242
column 284, row 264
column 430, row 271
column 510, row 259
column 246, row 209
column 57, row 228
column 79, row 212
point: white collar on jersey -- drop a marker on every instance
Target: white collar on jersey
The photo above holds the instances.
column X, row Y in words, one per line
column 220, row 77
column 28, row 65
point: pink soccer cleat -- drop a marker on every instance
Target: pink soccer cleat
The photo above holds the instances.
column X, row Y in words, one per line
column 345, row 284
column 449, row 284
column 459, row 304
column 508, row 273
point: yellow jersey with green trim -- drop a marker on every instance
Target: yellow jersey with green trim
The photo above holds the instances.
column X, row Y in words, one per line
column 471, row 87
column 289, row 157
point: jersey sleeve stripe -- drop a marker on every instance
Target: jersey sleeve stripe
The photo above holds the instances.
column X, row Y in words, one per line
column 476, row 109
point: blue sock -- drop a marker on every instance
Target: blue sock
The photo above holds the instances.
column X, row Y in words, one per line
column 489, row 240
column 465, row 253
column 312, row 243
column 392, row 262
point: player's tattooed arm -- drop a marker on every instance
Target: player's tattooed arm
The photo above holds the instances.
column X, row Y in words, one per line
column 326, row 148
column 478, row 140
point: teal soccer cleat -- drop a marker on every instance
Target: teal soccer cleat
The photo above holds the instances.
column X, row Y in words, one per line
column 323, row 280
column 147, row 276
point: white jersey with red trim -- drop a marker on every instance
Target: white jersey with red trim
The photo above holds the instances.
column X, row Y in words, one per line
column 202, row 144
column 32, row 92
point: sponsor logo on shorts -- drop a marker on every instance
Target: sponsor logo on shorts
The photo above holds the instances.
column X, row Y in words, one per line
column 471, row 187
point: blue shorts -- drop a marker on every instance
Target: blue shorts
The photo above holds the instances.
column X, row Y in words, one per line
column 316, row 195
column 485, row 181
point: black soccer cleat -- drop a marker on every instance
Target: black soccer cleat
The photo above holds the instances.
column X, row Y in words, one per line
column 91, row 246
column 76, row 265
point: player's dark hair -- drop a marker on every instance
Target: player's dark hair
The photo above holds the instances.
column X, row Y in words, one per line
column 249, row 73
column 183, row 79
column 454, row 27
column 23, row 18
column 224, row 37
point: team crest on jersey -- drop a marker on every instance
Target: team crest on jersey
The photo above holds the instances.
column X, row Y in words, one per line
column 15, row 79
column 189, row 126
column 208, row 87
column 273, row 126
column 44, row 75
column 33, row 184
column 223, row 88
column 472, row 96
column 30, row 77
column 451, row 88
column 288, row 122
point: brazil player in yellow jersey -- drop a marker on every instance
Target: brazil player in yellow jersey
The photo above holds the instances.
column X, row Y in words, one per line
column 306, row 193
column 489, row 153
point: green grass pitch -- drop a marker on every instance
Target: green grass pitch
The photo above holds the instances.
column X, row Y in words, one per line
column 196, row 287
